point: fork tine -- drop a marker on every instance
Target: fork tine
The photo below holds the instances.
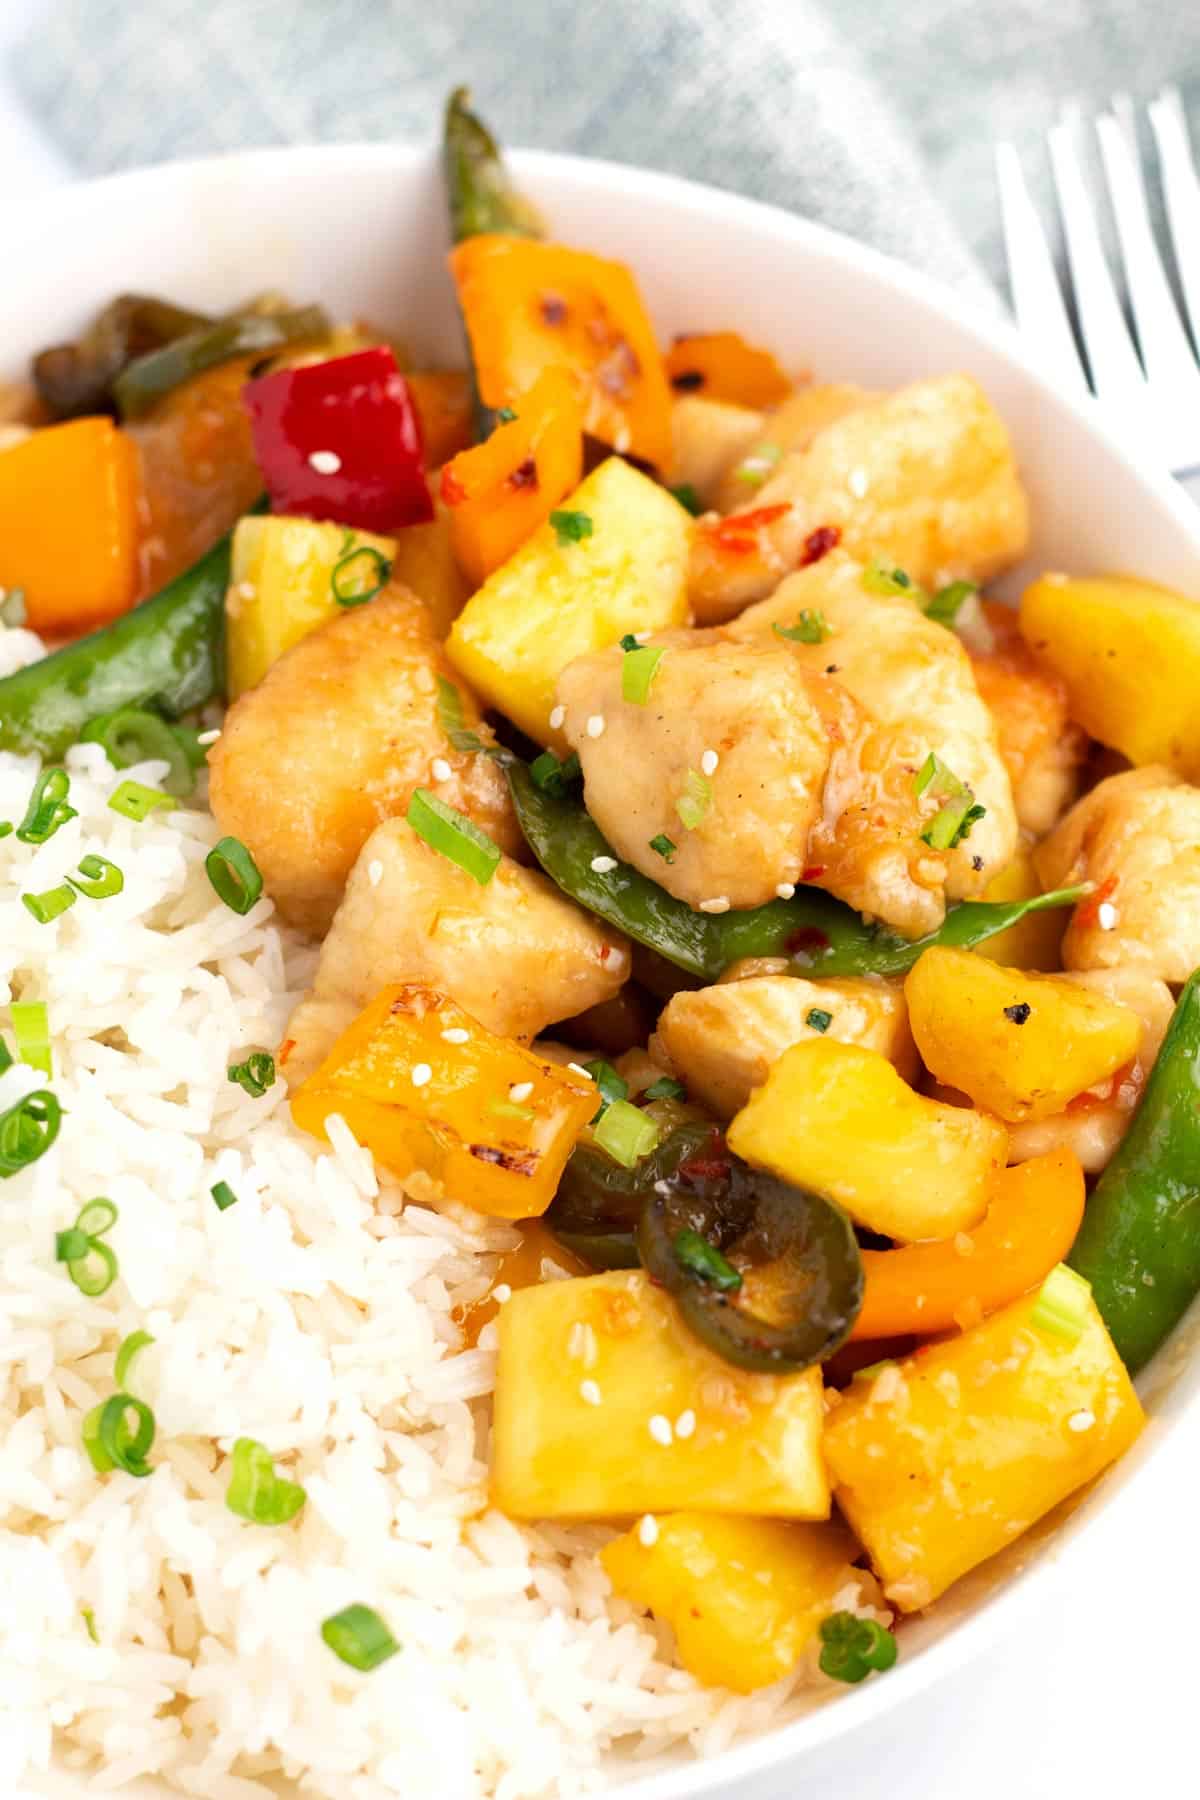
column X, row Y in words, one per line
column 1166, row 353
column 1181, row 187
column 1037, row 297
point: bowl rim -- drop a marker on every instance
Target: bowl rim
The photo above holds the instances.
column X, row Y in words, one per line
column 998, row 1614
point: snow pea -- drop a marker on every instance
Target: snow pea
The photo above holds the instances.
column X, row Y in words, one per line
column 149, row 377
column 816, row 933
column 479, row 189
column 1139, row 1244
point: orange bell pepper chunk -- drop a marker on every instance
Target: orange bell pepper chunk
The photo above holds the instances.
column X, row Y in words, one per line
column 531, row 306
column 721, row 365
column 69, row 525
column 442, row 398
column 488, row 1120
column 1033, row 1219
column 502, row 490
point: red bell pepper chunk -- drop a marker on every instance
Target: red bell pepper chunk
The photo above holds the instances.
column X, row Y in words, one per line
column 341, row 440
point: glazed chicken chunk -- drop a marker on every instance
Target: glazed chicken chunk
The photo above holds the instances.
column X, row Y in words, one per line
column 1041, row 748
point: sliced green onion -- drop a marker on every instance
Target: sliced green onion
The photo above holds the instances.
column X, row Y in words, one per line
column 626, row 1133
column 852, row 1647
column 109, row 1441
column 450, row 718
column 12, row 607
column 5, row 828
column 234, row 874
column 127, row 1350
column 551, row 775
column 818, row 1018
column 50, row 905
column 947, row 603
column 256, row 1492
column 880, row 578
column 91, row 1265
column 571, row 527
column 27, row 1131
column 955, row 820
column 753, row 470
column 695, row 799
column 453, row 835
column 6, row 1056
column 31, row 1027
column 1062, row 1304
column 704, row 1261
column 611, row 1085
column 133, row 735
column 89, row 1620
column 354, row 586
column 135, row 801
column 664, row 846
column 97, row 1218
column 688, row 498
column 665, row 1088
column 47, row 808
column 224, row 1196
column 71, row 1244
column 359, row 1638
column 508, row 1109
column 639, row 666
column 934, row 773
column 255, row 1075
column 811, row 627
column 95, row 1271
column 104, row 878
column 505, row 415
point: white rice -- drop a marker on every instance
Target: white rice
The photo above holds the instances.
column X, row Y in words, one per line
column 316, row 1315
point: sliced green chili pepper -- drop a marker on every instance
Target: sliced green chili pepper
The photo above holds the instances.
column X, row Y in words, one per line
column 74, row 379
column 145, row 381
column 168, row 652
column 813, row 930
column 598, row 1203
column 1139, row 1244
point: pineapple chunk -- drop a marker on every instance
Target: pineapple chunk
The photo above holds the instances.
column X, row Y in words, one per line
column 490, row 1121
column 606, row 1405
column 743, row 1596
column 1035, row 942
column 943, row 1459
column 1020, row 1045
column 839, row 1120
column 552, row 601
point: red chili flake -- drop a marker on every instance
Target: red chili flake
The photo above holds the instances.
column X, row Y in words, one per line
column 738, row 534
column 553, row 309
column 1088, row 913
column 285, row 1050
column 714, row 1167
column 525, row 475
column 605, row 952
column 453, row 491
column 687, row 381
column 814, row 872
column 807, row 941
column 819, row 543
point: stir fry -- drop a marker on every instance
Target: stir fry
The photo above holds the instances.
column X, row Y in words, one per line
column 706, row 874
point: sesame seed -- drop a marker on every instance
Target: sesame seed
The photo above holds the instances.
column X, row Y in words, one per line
column 648, row 1531
column 205, row 738
column 786, row 890
column 604, row 865
column 718, row 904
column 1081, row 1421
column 1106, row 915
column 708, row 762
column 595, row 725
column 589, row 1392
column 663, row 1187
column 440, row 769
column 325, row 462
column 501, row 1292
column 375, row 872
column 659, row 1427
column 456, row 1034
column 520, row 1090
column 685, row 1424
column 421, row 1074
column 557, row 715
column 858, row 483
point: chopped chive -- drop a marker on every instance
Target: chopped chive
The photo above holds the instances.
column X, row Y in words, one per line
column 705, row 1262
column 109, row 1441
column 450, row 718
column 695, row 799
column 639, row 666
column 948, row 602
column 103, row 878
column 571, row 527
column 133, row 735
column 852, row 1647
column 626, row 1133
column 818, row 1018
column 551, row 775
column 453, row 835
column 811, row 627
column 50, row 905
column 505, row 415
column 135, row 801
column 47, row 808
column 665, row 1088
column 27, row 1131
column 89, row 1620
column 688, row 498
column 353, row 586
column 234, row 874
column 224, row 1196
column 611, row 1085
column 359, row 1638
column 509, row 1109
column 127, row 1350
column 664, row 847
column 1062, row 1304
column 256, row 1492
column 31, row 1028
column 880, row 578
column 255, row 1075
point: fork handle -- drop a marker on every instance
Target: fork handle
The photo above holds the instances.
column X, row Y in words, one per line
column 1190, row 483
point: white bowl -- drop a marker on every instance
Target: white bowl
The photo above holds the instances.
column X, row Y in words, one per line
column 361, row 229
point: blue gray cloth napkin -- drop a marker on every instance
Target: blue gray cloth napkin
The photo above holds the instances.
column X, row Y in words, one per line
column 873, row 116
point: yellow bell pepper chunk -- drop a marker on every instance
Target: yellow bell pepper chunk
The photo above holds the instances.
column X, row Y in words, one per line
column 606, row 1405
column 943, row 1459
column 744, row 1597
column 839, row 1120
column 425, row 1087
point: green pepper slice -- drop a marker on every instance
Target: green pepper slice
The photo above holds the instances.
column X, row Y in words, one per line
column 147, row 379
column 596, row 1209
column 74, row 379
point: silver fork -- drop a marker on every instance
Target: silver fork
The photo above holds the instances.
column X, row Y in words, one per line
column 1149, row 390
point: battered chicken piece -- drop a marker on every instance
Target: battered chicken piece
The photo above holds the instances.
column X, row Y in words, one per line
column 924, row 479
column 792, row 426
column 707, row 436
column 333, row 740
column 912, row 675
column 1042, row 749
column 1137, row 837
column 515, row 954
